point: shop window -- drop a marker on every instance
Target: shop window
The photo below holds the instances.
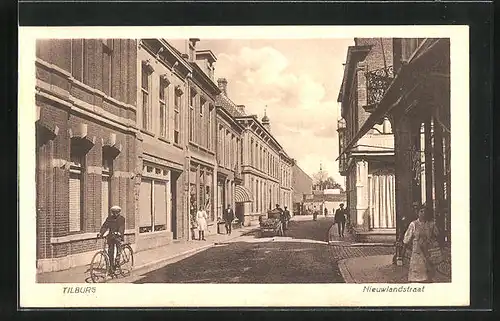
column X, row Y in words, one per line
column 154, row 200
column 76, row 187
column 208, row 196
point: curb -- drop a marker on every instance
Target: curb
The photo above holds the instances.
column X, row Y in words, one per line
column 344, row 271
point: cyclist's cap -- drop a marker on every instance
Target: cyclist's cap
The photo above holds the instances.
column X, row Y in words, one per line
column 116, row 208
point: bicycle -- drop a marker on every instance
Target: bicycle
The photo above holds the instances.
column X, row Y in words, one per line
column 100, row 266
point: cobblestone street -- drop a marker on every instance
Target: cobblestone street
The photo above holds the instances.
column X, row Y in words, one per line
column 302, row 256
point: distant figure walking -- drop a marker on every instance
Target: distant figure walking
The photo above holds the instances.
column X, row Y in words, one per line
column 315, row 213
column 201, row 219
column 287, row 217
column 228, row 219
column 340, row 218
column 326, row 212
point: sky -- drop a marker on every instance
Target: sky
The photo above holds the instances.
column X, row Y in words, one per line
column 298, row 80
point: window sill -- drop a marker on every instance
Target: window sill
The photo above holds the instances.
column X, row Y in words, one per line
column 178, row 145
column 153, row 234
column 147, row 132
column 164, row 139
column 80, row 237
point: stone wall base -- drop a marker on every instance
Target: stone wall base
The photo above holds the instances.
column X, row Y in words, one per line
column 146, row 241
column 68, row 262
column 375, row 236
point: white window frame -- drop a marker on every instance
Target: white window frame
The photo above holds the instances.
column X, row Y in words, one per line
column 153, row 174
column 146, row 112
column 79, row 169
column 163, row 90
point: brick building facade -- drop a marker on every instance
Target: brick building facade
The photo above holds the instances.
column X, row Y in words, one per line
column 266, row 168
column 142, row 125
column 86, row 144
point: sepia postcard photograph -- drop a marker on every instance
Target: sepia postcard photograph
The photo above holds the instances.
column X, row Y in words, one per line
column 297, row 166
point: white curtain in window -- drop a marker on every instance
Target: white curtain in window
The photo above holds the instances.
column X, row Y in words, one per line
column 382, row 201
column 104, row 198
column 75, row 207
column 160, row 192
column 145, row 204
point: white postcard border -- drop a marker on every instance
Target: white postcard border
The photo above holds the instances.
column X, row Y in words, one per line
column 455, row 293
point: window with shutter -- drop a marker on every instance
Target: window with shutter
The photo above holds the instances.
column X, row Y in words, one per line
column 107, row 172
column 160, row 206
column 145, row 204
column 105, row 198
column 77, row 159
column 75, row 206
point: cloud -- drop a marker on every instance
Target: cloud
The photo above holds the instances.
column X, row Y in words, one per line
column 302, row 119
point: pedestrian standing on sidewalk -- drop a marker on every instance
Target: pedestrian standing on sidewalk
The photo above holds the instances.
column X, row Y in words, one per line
column 228, row 219
column 201, row 219
column 315, row 213
column 286, row 214
column 423, row 234
column 340, row 219
column 326, row 212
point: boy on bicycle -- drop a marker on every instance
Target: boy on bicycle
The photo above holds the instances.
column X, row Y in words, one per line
column 115, row 223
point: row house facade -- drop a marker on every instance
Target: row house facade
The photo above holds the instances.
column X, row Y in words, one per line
column 261, row 168
column 369, row 165
column 163, row 88
column 266, row 168
column 417, row 103
column 230, row 188
column 86, row 144
column 201, row 149
column 301, row 187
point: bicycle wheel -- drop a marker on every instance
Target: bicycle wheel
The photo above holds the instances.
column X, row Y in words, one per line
column 99, row 267
column 125, row 260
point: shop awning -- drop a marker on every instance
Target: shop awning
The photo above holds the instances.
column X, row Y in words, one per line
column 242, row 194
column 394, row 95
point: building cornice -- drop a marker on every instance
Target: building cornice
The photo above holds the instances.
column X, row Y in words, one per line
column 163, row 52
column 203, row 81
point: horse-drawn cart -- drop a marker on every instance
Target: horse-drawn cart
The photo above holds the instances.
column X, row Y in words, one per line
column 271, row 225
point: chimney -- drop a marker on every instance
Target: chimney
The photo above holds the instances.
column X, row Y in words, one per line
column 241, row 109
column 222, row 83
column 192, row 48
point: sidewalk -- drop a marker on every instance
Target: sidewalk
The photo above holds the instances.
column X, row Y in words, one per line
column 148, row 258
column 378, row 269
column 369, row 262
